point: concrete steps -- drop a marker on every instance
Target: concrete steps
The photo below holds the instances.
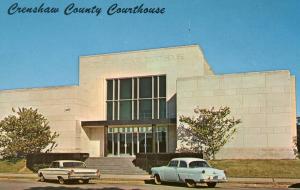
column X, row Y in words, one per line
column 115, row 165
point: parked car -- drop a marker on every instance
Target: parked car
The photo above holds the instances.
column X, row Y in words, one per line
column 189, row 171
column 68, row 170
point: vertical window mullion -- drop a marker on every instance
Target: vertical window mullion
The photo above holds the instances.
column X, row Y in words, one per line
column 118, row 143
column 125, row 144
column 157, row 134
column 118, row 99
column 132, row 143
column 138, row 141
column 113, row 102
column 157, row 97
column 113, row 144
column 167, row 110
column 138, row 97
column 145, row 144
column 152, row 101
column 132, row 99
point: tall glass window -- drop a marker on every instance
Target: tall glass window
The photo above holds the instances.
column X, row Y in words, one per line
column 125, row 110
column 145, row 89
column 136, row 98
column 125, row 89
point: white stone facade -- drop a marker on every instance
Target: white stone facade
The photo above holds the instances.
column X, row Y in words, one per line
column 265, row 101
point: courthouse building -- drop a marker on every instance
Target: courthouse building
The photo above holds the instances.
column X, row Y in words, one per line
column 128, row 103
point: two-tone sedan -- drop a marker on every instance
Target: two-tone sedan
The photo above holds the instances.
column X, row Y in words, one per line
column 189, row 171
column 68, row 170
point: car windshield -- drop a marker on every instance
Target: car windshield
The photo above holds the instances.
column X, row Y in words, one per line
column 199, row 164
column 73, row 165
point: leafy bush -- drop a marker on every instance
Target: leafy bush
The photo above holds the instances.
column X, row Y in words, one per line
column 27, row 131
column 36, row 167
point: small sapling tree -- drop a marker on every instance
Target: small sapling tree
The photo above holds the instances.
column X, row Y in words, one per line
column 208, row 131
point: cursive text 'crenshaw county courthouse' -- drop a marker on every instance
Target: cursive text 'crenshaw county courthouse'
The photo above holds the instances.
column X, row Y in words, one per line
column 72, row 8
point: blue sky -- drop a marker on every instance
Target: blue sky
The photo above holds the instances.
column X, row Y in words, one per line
column 39, row 50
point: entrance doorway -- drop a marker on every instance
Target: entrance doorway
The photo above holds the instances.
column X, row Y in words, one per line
column 128, row 141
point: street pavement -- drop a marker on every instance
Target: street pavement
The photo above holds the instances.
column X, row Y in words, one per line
column 136, row 182
column 111, row 177
column 34, row 184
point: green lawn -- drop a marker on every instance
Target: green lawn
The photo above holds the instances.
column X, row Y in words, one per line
column 13, row 167
column 233, row 168
column 259, row 168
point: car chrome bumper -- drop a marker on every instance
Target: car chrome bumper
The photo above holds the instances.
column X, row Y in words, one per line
column 213, row 180
column 84, row 177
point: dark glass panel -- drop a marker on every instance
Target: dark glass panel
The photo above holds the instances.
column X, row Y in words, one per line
column 109, row 89
column 155, row 109
column 162, row 108
column 126, row 89
column 145, row 87
column 162, row 86
column 162, row 138
column 149, row 142
column 135, row 109
column 129, row 143
column 135, row 88
column 116, row 89
column 125, row 110
column 145, row 108
column 155, row 87
column 109, row 110
column 142, row 142
column 122, row 143
column 116, row 110
column 109, row 143
column 135, row 143
column 115, row 144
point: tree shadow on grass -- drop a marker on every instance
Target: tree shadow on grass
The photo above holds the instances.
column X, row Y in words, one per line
column 73, row 188
column 70, row 186
column 151, row 181
column 296, row 185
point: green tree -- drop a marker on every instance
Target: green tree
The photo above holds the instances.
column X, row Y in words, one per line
column 24, row 132
column 207, row 132
column 296, row 148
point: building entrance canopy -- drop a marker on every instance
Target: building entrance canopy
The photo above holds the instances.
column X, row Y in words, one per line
column 127, row 138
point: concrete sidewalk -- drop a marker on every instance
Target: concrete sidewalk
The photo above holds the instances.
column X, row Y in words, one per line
column 103, row 176
column 263, row 180
column 147, row 177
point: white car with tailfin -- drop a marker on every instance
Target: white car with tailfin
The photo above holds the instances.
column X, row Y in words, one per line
column 68, row 170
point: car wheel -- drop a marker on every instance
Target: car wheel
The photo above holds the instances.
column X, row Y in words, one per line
column 61, row 180
column 211, row 184
column 42, row 178
column 190, row 183
column 85, row 181
column 157, row 180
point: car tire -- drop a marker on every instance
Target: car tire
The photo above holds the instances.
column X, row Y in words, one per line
column 157, row 180
column 211, row 184
column 190, row 183
column 85, row 181
column 61, row 180
column 42, row 178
